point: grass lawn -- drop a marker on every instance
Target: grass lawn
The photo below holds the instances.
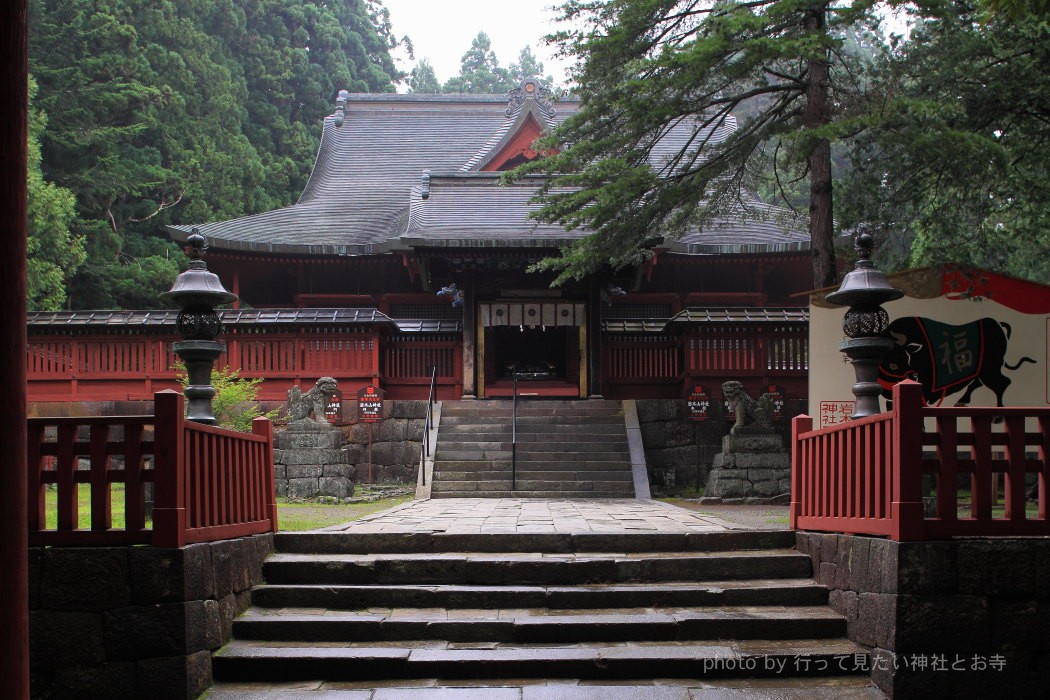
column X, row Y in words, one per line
column 290, row 516
column 294, row 517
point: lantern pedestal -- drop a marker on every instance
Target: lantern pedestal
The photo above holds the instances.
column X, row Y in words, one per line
column 866, row 355
column 199, row 357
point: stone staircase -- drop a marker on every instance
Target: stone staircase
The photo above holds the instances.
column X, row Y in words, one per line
column 566, row 449
column 735, row 609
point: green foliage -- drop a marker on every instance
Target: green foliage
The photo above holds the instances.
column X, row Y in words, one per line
column 480, row 72
column 954, row 169
column 650, row 66
column 235, row 404
column 188, row 111
column 422, row 79
column 528, row 66
column 53, row 252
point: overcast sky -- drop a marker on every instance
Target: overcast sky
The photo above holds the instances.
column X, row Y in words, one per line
column 441, row 30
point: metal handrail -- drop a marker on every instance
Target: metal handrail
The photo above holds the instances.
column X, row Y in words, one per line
column 424, row 450
column 514, row 433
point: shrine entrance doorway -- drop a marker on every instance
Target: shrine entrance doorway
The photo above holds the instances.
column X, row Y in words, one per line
column 543, row 343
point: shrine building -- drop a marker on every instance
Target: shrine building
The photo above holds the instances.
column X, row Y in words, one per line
column 406, row 254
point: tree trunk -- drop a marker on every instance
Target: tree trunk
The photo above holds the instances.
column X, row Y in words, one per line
column 817, row 113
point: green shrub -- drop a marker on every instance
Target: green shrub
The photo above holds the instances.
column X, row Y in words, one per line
column 235, row 405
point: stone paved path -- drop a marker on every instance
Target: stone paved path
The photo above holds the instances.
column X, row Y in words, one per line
column 537, row 516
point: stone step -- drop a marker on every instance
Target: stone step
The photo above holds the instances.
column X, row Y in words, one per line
column 562, row 441
column 469, row 488
column 526, row 453
column 783, row 592
column 532, row 407
column 587, row 543
column 536, row 423
column 503, row 434
column 624, row 488
column 782, row 687
column 529, row 568
column 457, row 455
column 338, row 661
column 572, row 466
column 540, row 625
column 532, row 474
column 500, row 467
column 471, row 465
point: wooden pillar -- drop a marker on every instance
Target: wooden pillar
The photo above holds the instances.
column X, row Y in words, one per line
column 14, row 537
column 594, row 338
column 470, row 324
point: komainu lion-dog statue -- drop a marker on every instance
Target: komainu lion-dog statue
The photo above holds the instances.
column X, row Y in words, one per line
column 752, row 415
column 300, row 406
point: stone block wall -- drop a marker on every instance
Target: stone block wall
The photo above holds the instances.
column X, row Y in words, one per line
column 396, row 442
column 670, row 439
column 964, row 618
column 135, row 622
column 309, row 462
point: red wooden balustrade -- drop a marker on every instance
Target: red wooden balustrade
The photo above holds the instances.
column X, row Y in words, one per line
column 86, row 368
column 409, row 360
column 209, row 483
column 644, row 358
column 867, row 476
column 748, row 350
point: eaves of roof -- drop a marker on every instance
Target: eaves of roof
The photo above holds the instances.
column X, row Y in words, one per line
column 229, row 317
column 697, row 315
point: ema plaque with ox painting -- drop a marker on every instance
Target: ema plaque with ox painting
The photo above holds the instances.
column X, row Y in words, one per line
column 370, row 404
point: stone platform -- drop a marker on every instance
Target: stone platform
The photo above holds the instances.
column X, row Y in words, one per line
column 750, row 469
column 536, row 516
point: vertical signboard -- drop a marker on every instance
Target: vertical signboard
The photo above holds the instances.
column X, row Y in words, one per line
column 699, row 404
column 370, row 404
column 776, row 397
column 333, row 407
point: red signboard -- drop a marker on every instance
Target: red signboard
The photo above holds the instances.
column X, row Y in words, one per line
column 777, row 397
column 370, row 404
column 333, row 408
column 699, row 404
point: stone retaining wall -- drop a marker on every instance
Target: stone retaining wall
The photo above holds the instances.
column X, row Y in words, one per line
column 135, row 622
column 670, row 440
column 957, row 619
column 396, row 442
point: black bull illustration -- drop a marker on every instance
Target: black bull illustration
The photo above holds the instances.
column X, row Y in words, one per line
column 946, row 359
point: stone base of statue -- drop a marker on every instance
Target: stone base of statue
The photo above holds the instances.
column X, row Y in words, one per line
column 309, row 462
column 752, row 468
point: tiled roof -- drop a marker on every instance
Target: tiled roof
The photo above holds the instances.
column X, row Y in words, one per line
column 358, row 193
column 230, row 317
column 474, row 209
column 696, row 315
column 367, row 192
column 758, row 228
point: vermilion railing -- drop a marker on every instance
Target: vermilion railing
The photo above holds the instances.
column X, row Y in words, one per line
column 744, row 350
column 416, row 359
column 135, row 366
column 642, row 358
column 874, row 475
column 208, row 483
